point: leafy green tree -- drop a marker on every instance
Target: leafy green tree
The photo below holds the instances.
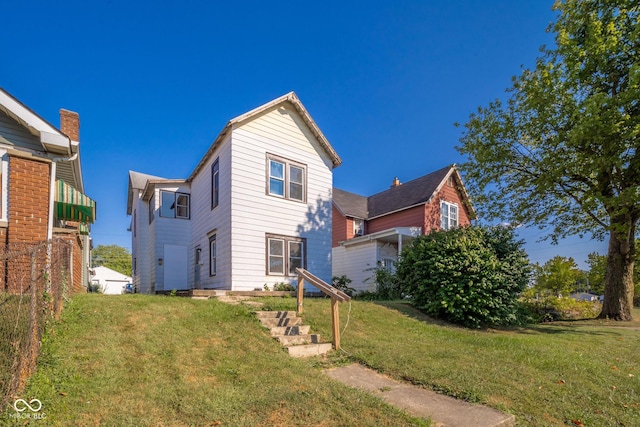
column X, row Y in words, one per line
column 471, row 275
column 597, row 270
column 563, row 151
column 559, row 275
column 112, row 256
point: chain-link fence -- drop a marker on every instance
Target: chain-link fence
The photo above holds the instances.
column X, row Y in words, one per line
column 34, row 280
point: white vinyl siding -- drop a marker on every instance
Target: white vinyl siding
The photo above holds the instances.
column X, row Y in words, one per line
column 165, row 231
column 206, row 221
column 357, row 263
column 281, row 134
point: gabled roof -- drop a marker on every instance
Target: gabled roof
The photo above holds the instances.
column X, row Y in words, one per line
column 350, row 204
column 406, row 195
column 55, row 143
column 410, row 194
column 137, row 181
column 290, row 98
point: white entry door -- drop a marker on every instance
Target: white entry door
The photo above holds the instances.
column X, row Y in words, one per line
column 175, row 268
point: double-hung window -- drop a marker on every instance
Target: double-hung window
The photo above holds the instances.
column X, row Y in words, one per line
column 215, row 184
column 284, row 255
column 286, row 179
column 213, row 255
column 174, row 205
column 448, row 215
column 358, row 227
column 152, row 208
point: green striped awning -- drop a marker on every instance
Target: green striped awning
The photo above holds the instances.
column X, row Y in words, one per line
column 72, row 205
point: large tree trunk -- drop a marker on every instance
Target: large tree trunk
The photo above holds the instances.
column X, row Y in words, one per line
column 618, row 284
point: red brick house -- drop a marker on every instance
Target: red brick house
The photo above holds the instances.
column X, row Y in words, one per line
column 371, row 231
column 41, row 188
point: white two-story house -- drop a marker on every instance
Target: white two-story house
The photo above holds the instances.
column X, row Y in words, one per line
column 257, row 205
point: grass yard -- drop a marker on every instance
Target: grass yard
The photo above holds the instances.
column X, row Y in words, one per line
column 136, row 360
column 150, row 360
column 546, row 375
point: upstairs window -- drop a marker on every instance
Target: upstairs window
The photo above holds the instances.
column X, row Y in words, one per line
column 215, row 184
column 152, row 208
column 448, row 216
column 286, row 179
column 358, row 227
column 174, row 205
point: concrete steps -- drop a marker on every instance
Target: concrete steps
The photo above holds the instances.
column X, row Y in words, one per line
column 285, row 326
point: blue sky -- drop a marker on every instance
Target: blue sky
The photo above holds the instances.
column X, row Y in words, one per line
column 154, row 82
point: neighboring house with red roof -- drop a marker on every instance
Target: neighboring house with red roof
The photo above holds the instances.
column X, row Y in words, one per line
column 256, row 207
column 371, row 231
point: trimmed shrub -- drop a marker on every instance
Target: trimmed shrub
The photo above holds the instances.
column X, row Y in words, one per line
column 471, row 276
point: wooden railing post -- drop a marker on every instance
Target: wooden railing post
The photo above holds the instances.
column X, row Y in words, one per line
column 300, row 293
column 336, row 296
column 335, row 323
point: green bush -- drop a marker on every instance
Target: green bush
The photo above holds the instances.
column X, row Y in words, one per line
column 551, row 308
column 342, row 283
column 387, row 286
column 283, row 287
column 471, row 276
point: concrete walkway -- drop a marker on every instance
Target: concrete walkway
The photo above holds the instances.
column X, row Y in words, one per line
column 444, row 411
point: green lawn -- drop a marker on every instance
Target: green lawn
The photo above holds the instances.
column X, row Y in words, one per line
column 147, row 360
column 546, row 375
column 135, row 360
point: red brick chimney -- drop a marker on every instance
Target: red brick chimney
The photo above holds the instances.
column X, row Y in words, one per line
column 396, row 182
column 70, row 124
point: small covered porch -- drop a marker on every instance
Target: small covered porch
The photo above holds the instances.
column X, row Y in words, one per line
column 357, row 258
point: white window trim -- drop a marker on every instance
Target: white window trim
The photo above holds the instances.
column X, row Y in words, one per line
column 286, row 179
column 283, row 256
column 175, row 204
column 356, row 228
column 451, row 222
column 187, row 206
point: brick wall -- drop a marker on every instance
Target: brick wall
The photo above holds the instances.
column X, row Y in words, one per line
column 29, row 189
column 28, row 217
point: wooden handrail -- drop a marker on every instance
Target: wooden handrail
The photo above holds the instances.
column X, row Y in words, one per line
column 326, row 288
column 336, row 296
